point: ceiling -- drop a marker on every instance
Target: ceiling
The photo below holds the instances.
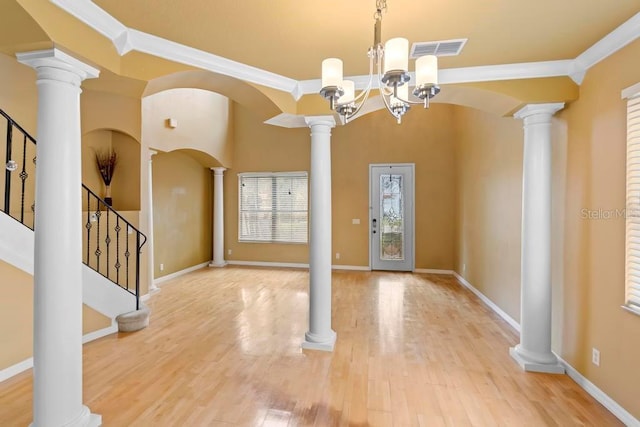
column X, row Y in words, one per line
column 291, row 37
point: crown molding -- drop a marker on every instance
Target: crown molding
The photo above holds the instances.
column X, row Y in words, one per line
column 89, row 13
column 126, row 40
column 608, row 45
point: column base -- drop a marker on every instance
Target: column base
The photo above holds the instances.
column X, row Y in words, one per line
column 86, row 419
column 217, row 264
column 153, row 289
column 316, row 342
column 527, row 365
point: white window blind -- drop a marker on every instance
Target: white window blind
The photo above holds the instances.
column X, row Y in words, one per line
column 273, row 207
column 632, row 269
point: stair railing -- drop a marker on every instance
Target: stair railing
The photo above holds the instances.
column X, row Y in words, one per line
column 111, row 243
column 24, row 195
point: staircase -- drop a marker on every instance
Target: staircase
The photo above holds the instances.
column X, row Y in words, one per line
column 111, row 244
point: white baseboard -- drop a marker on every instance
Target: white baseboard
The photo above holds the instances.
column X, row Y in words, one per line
column 432, row 271
column 11, row 371
column 295, row 265
column 613, row 406
column 91, row 336
column 351, row 267
column 19, row 367
column 269, row 264
column 515, row 325
column 171, row 276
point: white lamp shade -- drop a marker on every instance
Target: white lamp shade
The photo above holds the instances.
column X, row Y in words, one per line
column 331, row 72
column 396, row 54
column 349, row 92
column 403, row 94
column 427, row 70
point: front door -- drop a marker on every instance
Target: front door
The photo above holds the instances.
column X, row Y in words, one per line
column 391, row 217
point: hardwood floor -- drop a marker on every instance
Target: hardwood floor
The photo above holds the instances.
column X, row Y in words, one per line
column 223, row 348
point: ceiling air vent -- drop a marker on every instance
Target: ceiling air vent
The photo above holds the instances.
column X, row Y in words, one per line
column 438, row 48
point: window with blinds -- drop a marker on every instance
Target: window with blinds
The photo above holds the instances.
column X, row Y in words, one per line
column 632, row 269
column 273, row 207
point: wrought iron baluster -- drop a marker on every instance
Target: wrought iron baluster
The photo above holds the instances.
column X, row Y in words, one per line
column 118, row 250
column 138, row 248
column 7, row 172
column 98, row 252
column 88, row 226
column 126, row 255
column 107, row 242
column 23, row 176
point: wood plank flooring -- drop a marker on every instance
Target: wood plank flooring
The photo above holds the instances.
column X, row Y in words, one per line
column 223, row 348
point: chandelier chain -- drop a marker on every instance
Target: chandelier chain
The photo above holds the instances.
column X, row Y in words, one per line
column 381, row 6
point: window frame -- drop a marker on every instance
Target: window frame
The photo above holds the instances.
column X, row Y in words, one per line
column 274, row 210
column 632, row 194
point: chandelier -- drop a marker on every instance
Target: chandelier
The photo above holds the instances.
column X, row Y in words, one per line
column 392, row 63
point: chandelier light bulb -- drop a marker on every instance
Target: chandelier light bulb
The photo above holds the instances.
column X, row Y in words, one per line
column 427, row 71
column 349, row 92
column 396, row 55
column 331, row 72
column 403, row 95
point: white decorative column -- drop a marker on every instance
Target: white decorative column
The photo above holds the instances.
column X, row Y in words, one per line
column 534, row 351
column 57, row 340
column 218, row 218
column 320, row 335
column 150, row 247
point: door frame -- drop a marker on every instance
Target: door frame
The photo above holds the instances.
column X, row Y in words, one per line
column 412, row 241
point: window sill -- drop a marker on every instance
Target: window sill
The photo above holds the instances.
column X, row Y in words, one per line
column 632, row 309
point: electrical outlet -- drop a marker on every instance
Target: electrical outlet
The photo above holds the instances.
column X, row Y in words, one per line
column 337, row 255
column 161, row 267
column 464, row 268
column 595, row 356
column 229, row 252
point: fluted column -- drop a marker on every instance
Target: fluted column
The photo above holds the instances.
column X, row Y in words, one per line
column 150, row 245
column 57, row 340
column 534, row 351
column 218, row 218
column 320, row 335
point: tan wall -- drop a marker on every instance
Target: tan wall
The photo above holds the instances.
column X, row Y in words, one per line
column 425, row 138
column 593, row 268
column 125, row 186
column 489, row 152
column 16, row 316
column 181, row 212
column 203, row 123
column 589, row 155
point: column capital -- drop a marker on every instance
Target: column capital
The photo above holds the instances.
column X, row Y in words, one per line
column 57, row 65
column 151, row 153
column 218, row 170
column 312, row 121
column 536, row 109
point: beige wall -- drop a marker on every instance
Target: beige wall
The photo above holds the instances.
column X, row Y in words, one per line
column 589, row 155
column 203, row 123
column 16, row 316
column 125, row 186
column 593, row 267
column 489, row 205
column 181, row 212
column 425, row 138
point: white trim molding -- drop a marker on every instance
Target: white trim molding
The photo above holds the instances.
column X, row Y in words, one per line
column 26, row 364
column 127, row 39
column 510, row 320
column 171, row 276
column 432, row 271
column 606, row 401
column 599, row 395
